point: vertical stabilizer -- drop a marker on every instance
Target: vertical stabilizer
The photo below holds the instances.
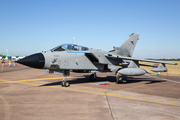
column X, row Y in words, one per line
column 127, row 48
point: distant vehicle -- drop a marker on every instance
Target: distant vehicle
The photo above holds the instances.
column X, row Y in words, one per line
column 76, row 58
column 20, row 57
column 17, row 58
column 13, row 57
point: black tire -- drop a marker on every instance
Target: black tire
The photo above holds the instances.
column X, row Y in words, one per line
column 66, row 84
column 118, row 78
column 62, row 83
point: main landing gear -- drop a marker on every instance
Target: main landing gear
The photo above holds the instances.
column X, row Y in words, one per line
column 120, row 78
column 92, row 77
column 64, row 83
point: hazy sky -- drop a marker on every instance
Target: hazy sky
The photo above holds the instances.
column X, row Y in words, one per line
column 29, row 26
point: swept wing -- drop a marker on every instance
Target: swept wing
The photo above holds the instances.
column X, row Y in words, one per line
column 136, row 59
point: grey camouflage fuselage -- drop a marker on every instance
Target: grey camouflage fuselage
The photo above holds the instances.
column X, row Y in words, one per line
column 68, row 58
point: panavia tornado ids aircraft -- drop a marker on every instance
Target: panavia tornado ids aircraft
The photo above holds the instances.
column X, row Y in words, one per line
column 68, row 58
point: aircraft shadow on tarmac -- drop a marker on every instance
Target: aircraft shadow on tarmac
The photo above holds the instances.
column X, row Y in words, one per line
column 105, row 79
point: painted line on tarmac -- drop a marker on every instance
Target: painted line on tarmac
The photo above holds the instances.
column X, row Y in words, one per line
column 112, row 95
column 101, row 93
column 43, row 79
column 34, row 79
column 163, row 79
column 9, row 81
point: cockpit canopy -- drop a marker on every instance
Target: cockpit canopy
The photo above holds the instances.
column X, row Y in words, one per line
column 71, row 48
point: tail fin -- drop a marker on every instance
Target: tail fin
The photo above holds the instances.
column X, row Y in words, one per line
column 127, row 48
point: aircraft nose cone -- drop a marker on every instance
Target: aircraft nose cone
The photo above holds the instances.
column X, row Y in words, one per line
column 36, row 61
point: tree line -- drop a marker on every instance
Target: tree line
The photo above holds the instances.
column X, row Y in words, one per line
column 164, row 59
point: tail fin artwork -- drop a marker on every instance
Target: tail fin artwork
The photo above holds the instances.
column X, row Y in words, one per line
column 127, row 48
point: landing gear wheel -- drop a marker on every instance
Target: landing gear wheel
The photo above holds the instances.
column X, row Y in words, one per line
column 62, row 83
column 66, row 84
column 119, row 78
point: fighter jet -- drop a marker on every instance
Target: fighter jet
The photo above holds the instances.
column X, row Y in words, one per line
column 68, row 58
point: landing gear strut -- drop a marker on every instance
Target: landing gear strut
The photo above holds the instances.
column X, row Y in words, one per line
column 64, row 83
column 92, row 77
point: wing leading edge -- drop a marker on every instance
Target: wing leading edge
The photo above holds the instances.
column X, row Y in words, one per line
column 136, row 59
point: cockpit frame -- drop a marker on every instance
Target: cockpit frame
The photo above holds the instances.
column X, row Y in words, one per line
column 71, row 48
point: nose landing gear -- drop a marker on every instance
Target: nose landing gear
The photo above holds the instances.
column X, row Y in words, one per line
column 64, row 83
